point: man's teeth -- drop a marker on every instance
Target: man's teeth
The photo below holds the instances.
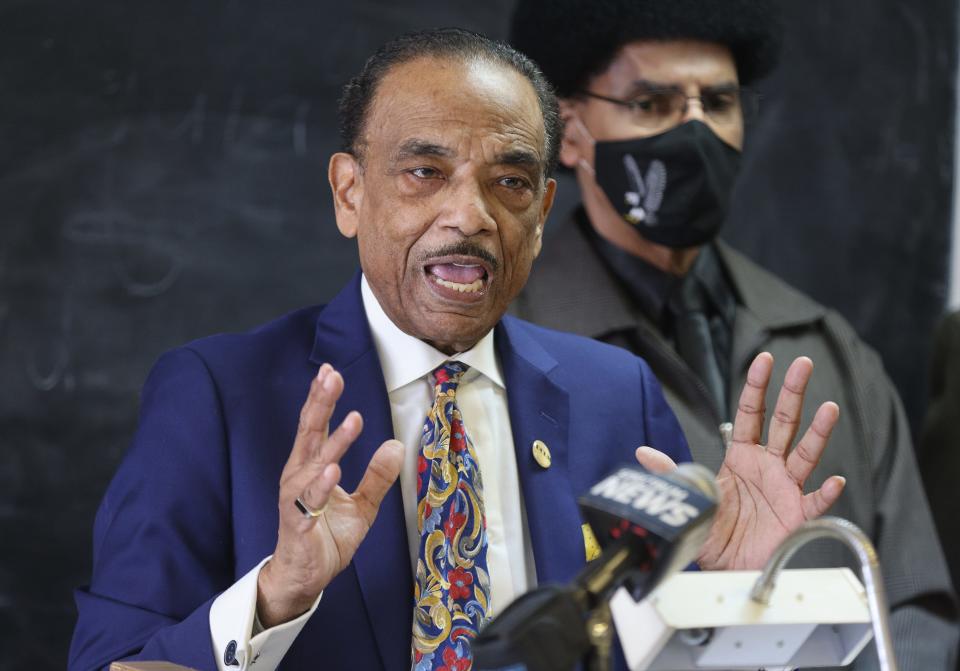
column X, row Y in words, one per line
column 473, row 287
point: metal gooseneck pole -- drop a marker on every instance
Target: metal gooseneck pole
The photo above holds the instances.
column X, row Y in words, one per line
column 851, row 536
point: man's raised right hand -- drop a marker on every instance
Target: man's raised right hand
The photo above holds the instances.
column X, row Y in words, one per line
column 312, row 550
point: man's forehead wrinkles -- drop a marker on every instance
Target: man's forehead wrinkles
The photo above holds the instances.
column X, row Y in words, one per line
column 416, row 117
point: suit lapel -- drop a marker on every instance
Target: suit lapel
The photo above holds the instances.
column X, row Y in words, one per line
column 540, row 410
column 382, row 562
column 749, row 335
column 767, row 305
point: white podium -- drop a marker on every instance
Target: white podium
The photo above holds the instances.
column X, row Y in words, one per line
column 708, row 620
column 771, row 619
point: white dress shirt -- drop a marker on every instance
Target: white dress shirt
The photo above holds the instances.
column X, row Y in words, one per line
column 407, row 364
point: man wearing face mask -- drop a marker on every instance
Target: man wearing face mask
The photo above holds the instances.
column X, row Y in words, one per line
column 655, row 99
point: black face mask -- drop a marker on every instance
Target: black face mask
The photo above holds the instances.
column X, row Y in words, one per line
column 675, row 187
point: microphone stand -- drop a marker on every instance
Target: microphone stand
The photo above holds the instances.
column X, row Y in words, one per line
column 851, row 536
column 597, row 587
column 600, row 632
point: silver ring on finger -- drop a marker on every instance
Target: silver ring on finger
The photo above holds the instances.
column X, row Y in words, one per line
column 306, row 509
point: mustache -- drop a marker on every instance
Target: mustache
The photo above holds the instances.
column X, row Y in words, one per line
column 462, row 248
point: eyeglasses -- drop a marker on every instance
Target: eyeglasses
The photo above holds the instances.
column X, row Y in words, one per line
column 662, row 108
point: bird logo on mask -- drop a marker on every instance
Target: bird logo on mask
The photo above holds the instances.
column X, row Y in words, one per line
column 647, row 194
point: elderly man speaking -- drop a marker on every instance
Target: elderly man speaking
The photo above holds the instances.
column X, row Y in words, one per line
column 249, row 528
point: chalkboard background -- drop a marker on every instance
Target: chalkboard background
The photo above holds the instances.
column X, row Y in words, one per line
column 162, row 177
column 848, row 182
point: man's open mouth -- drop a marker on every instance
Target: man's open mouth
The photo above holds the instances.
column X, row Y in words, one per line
column 462, row 275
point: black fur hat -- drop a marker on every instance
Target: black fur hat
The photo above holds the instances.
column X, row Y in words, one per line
column 574, row 40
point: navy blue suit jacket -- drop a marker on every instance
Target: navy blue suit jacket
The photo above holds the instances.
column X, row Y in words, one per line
column 194, row 504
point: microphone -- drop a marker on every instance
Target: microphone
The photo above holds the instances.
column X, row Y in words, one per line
column 658, row 523
column 648, row 526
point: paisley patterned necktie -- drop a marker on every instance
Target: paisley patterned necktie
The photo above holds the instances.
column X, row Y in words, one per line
column 452, row 586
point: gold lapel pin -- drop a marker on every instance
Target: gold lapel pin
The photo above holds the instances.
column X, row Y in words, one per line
column 541, row 453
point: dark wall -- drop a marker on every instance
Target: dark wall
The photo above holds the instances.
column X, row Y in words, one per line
column 847, row 182
column 162, row 176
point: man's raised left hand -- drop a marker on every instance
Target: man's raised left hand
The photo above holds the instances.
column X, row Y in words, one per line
column 761, row 486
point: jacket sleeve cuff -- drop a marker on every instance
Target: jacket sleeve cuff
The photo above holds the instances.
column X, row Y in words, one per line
column 239, row 641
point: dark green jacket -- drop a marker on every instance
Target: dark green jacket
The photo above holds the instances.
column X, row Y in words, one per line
column 939, row 448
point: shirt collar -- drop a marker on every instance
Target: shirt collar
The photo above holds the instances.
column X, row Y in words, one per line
column 649, row 286
column 653, row 288
column 404, row 358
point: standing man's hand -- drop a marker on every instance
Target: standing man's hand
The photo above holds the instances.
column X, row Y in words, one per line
column 761, row 487
column 311, row 550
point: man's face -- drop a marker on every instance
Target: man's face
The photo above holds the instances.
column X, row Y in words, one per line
column 449, row 198
column 692, row 67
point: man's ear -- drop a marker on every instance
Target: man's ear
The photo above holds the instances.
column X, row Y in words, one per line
column 346, row 182
column 549, row 192
column 576, row 146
